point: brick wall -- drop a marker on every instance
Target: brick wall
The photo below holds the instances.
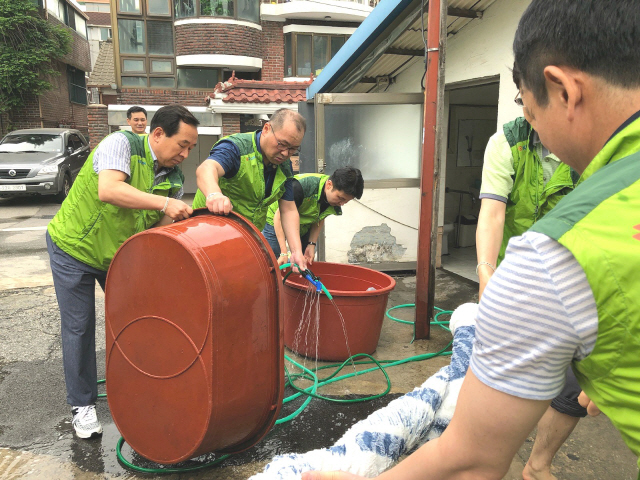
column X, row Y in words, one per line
column 230, row 123
column 273, row 51
column 79, row 56
column 218, row 39
column 98, row 124
column 26, row 117
column 57, row 110
column 149, row 96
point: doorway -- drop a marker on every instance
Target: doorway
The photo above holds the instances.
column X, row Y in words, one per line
column 472, row 119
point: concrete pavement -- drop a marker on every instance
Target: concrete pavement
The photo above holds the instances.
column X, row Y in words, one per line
column 36, row 437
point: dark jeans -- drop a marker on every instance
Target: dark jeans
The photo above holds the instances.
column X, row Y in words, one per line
column 270, row 234
column 75, row 284
column 567, row 401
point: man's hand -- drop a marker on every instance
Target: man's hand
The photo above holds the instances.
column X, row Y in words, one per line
column 330, row 476
column 586, row 402
column 178, row 210
column 282, row 259
column 298, row 258
column 309, row 253
column 219, row 204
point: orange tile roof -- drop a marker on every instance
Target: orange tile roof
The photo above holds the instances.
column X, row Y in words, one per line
column 236, row 90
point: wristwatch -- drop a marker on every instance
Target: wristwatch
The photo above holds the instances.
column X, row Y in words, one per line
column 312, row 243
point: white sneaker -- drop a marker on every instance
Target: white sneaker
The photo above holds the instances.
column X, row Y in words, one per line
column 85, row 421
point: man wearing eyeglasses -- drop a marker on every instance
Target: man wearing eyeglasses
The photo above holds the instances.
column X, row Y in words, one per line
column 521, row 182
column 247, row 172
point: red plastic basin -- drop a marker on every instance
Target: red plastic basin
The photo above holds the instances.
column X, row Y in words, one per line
column 363, row 312
column 194, row 338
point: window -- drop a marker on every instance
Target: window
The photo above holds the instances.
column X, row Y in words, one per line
column 185, row 8
column 75, row 142
column 288, row 56
column 81, row 25
column 134, row 81
column 133, row 66
column 131, row 36
column 158, row 7
column 160, row 38
column 77, row 86
column 197, row 78
column 305, row 54
column 105, row 33
column 249, row 10
column 161, row 66
column 162, row 82
column 129, row 6
column 218, row 8
column 240, row 9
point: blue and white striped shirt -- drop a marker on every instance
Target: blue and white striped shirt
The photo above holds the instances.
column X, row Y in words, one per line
column 114, row 153
column 536, row 315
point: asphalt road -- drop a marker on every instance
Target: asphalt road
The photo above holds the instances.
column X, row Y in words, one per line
column 36, row 437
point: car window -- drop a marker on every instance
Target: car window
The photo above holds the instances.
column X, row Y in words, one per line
column 77, row 143
column 31, row 142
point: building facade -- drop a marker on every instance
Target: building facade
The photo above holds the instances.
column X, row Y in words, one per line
column 231, row 62
column 65, row 105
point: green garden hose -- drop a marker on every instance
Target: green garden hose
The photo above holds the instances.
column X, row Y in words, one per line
column 311, row 391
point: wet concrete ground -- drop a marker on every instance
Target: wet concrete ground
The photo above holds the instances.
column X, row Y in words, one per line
column 37, row 441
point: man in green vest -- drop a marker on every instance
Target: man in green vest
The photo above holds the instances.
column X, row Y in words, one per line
column 521, row 182
column 128, row 184
column 247, row 172
column 316, row 197
column 567, row 290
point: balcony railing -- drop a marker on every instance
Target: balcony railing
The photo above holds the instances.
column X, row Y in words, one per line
column 371, row 3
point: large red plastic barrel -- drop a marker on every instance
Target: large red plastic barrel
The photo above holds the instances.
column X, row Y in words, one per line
column 318, row 330
column 194, row 338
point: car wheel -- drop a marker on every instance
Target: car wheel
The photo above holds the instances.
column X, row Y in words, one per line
column 66, row 186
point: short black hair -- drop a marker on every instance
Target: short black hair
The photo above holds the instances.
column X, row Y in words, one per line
column 282, row 114
column 348, row 180
column 600, row 38
column 169, row 117
column 136, row 109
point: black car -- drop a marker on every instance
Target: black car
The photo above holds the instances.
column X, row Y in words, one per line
column 42, row 161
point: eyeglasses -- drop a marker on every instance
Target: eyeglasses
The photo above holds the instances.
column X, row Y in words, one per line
column 518, row 100
column 291, row 151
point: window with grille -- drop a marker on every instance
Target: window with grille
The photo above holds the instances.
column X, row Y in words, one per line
column 77, row 85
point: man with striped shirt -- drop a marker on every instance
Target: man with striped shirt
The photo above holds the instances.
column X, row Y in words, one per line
column 567, row 290
column 129, row 183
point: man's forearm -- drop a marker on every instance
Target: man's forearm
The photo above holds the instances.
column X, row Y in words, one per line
column 489, row 234
column 314, row 232
column 207, row 177
column 114, row 190
column 291, row 226
column 277, row 226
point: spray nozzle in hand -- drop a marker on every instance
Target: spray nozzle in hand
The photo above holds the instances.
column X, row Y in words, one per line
column 308, row 274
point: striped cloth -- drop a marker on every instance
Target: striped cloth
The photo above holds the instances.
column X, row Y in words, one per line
column 537, row 314
column 372, row 445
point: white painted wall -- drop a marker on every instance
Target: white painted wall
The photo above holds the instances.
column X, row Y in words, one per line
column 395, row 207
column 481, row 49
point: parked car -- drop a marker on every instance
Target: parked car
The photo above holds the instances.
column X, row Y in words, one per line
column 42, row 161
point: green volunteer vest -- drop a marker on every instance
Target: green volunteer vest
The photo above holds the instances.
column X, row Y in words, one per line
column 530, row 198
column 246, row 189
column 600, row 224
column 90, row 230
column 309, row 210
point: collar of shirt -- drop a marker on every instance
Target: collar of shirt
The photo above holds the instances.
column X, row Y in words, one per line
column 153, row 155
column 536, row 141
